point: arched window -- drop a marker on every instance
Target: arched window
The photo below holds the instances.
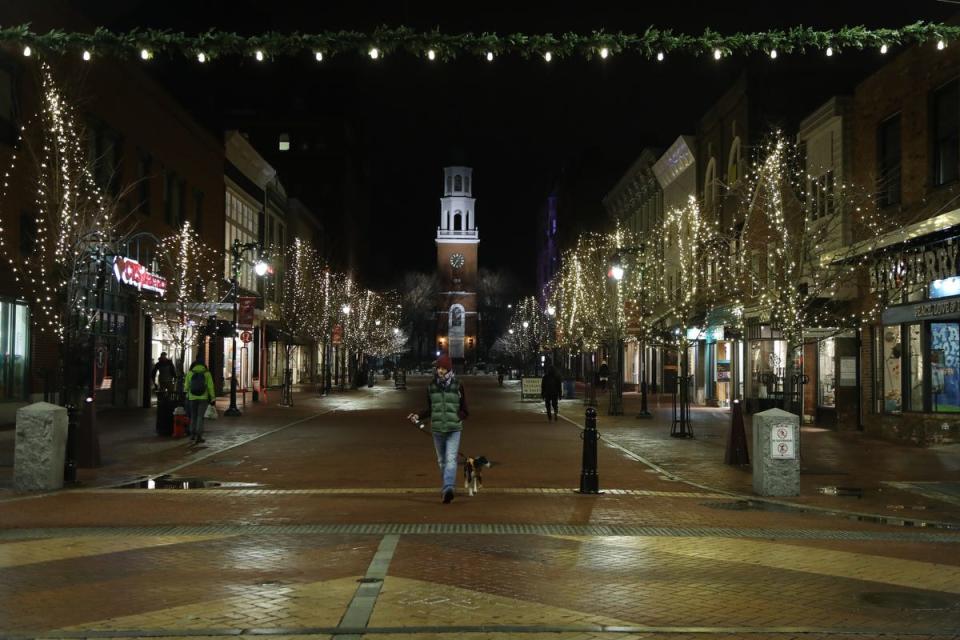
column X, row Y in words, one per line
column 710, row 185
column 457, row 221
column 733, row 163
column 457, row 183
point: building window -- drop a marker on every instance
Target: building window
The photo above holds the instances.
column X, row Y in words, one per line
column 28, row 234
column 241, row 224
column 826, row 383
column 457, row 221
column 733, row 163
column 197, row 209
column 173, row 199
column 457, row 183
column 888, row 162
column 946, row 134
column 144, row 177
column 821, row 201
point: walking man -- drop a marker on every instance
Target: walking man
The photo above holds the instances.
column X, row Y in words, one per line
column 167, row 373
column 199, row 387
column 550, row 392
column 446, row 408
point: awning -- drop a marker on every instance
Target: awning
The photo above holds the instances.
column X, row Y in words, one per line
column 937, row 224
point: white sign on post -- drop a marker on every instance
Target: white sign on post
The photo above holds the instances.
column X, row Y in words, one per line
column 530, row 388
column 783, row 444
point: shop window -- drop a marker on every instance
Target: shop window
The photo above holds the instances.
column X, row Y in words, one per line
column 892, row 370
column 915, row 374
column 826, row 383
column 945, row 288
column 14, row 342
column 945, row 367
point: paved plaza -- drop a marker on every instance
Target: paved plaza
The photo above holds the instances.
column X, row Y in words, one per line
column 328, row 523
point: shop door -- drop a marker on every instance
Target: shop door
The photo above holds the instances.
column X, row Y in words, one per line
column 848, row 383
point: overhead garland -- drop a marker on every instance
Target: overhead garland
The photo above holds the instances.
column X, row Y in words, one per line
column 434, row 45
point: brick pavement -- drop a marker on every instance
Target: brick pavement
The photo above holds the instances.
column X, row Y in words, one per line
column 205, row 563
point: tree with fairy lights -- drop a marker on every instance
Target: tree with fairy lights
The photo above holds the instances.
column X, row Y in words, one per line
column 805, row 247
column 527, row 334
column 190, row 269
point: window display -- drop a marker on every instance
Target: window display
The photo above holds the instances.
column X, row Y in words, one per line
column 944, row 379
column 826, row 368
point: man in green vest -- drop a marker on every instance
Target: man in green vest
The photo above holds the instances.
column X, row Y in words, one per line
column 446, row 408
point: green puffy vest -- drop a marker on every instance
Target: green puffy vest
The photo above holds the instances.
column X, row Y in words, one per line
column 445, row 407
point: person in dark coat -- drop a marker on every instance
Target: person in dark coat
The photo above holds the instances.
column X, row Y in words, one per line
column 550, row 389
column 167, row 373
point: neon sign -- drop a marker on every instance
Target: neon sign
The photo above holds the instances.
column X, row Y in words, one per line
column 129, row 271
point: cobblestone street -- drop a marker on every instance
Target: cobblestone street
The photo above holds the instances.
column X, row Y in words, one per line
column 329, row 524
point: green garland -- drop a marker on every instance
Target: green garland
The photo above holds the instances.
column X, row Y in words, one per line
column 650, row 44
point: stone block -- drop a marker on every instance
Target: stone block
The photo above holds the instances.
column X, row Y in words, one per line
column 41, row 446
column 776, row 453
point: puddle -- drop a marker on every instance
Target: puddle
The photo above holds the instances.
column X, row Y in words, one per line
column 171, row 482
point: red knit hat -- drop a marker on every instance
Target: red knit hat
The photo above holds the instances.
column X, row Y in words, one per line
column 443, row 362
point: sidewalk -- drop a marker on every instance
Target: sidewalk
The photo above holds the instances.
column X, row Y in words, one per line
column 130, row 447
column 899, row 482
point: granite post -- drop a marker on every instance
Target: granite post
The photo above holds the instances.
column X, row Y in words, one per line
column 776, row 464
column 41, row 446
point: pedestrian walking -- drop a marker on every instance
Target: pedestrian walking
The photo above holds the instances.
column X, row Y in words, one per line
column 550, row 392
column 164, row 376
column 447, row 409
column 199, row 387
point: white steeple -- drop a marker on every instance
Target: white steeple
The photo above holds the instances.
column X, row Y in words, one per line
column 458, row 221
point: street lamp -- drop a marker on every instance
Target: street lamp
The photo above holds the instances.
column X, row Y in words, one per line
column 237, row 249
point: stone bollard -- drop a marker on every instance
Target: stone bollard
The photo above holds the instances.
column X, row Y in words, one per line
column 41, row 445
column 776, row 465
column 589, row 480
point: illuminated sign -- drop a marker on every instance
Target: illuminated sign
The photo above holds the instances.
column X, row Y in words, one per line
column 129, row 271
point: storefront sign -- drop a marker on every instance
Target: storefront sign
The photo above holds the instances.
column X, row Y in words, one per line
column 530, row 388
column 129, row 271
column 918, row 265
column 782, row 442
column 723, row 371
column 246, row 337
column 245, row 312
column 947, row 307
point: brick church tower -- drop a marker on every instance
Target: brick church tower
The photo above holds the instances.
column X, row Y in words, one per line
column 457, row 240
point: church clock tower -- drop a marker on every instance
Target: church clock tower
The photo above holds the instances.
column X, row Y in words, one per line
column 457, row 240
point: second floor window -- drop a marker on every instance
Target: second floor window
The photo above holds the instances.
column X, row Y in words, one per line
column 888, row 162
column 946, row 134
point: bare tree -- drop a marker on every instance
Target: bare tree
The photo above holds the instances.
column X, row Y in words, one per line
column 419, row 301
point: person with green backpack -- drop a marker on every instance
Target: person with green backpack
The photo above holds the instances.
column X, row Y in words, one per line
column 198, row 384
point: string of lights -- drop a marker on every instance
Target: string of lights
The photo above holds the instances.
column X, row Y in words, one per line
column 653, row 43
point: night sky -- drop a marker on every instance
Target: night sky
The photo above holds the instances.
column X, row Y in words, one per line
column 520, row 124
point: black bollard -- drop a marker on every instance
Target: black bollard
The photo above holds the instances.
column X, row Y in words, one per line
column 73, row 432
column 737, row 454
column 589, row 480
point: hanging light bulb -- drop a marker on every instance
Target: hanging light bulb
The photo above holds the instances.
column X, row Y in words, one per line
column 374, row 53
column 489, row 56
column 548, row 56
column 258, row 55
column 604, row 53
column 773, row 54
column 941, row 45
column 883, row 48
column 27, row 51
column 660, row 56
column 145, row 54
column 717, row 54
column 319, row 56
column 86, row 56
column 829, row 51
column 431, row 54
column 201, row 57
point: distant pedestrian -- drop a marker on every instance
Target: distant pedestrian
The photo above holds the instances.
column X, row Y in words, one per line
column 447, row 409
column 200, row 392
column 164, row 375
column 550, row 392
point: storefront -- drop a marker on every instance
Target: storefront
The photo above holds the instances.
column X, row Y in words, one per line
column 766, row 362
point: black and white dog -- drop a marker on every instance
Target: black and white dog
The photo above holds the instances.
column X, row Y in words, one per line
column 473, row 473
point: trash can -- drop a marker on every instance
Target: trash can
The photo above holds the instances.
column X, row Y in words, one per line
column 569, row 388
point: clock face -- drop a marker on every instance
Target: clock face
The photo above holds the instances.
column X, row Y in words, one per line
column 457, row 260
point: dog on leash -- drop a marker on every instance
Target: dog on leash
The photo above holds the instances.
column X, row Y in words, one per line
column 473, row 473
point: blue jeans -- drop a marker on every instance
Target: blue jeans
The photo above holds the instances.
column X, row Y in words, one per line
column 447, row 446
column 195, row 410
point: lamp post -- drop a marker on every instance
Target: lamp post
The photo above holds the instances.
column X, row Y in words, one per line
column 616, row 376
column 260, row 268
column 344, row 358
column 523, row 348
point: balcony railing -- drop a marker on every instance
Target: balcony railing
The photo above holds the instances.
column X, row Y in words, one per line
column 450, row 233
